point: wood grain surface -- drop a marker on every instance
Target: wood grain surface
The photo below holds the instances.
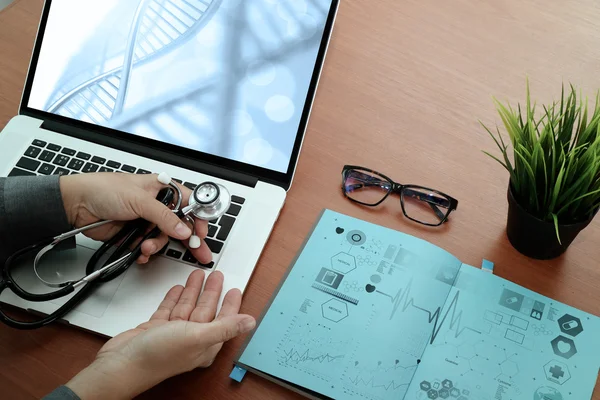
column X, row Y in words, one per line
column 403, row 88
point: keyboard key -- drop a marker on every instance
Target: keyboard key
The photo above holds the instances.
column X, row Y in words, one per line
column 39, row 143
column 53, row 147
column 104, row 169
column 226, row 223
column 143, row 172
column 174, row 254
column 207, row 266
column 89, row 167
column 47, row 156
column 214, row 246
column 190, row 186
column 69, row 152
column 212, row 230
column 33, row 151
column 61, row 171
column 46, row 169
column 178, row 180
column 214, row 221
column 75, row 164
column 61, row 160
column 28, row 163
column 128, row 168
column 20, row 172
column 238, row 199
column 83, row 156
column 113, row 164
column 188, row 257
column 98, row 160
column 234, row 210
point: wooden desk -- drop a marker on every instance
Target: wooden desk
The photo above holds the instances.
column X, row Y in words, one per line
column 403, row 87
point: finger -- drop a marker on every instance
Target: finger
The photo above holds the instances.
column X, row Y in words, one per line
column 206, row 307
column 142, row 260
column 151, row 183
column 153, row 246
column 201, row 227
column 231, row 304
column 227, row 328
column 202, row 253
column 189, row 297
column 185, row 193
column 166, row 306
column 148, row 208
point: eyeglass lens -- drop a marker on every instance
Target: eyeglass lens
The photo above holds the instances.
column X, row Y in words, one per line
column 366, row 187
column 425, row 206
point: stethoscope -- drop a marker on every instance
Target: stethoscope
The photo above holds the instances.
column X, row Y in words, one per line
column 208, row 201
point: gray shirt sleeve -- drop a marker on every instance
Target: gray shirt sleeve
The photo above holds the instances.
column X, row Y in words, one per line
column 62, row 393
column 31, row 209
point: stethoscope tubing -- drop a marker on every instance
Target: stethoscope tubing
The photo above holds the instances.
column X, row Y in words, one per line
column 127, row 244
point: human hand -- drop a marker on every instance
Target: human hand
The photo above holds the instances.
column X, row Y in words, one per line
column 183, row 334
column 90, row 198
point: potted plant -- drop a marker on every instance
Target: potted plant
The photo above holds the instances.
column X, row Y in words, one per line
column 554, row 167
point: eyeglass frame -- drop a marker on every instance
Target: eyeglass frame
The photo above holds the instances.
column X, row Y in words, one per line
column 399, row 188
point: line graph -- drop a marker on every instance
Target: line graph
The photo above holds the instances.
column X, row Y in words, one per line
column 403, row 299
column 371, row 377
column 310, row 348
column 391, row 385
column 297, row 357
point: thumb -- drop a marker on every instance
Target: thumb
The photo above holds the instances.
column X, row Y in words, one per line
column 227, row 328
column 154, row 211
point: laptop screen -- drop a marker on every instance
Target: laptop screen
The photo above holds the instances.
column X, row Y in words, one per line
column 229, row 78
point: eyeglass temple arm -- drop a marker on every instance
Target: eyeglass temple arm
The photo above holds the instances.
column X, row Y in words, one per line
column 407, row 191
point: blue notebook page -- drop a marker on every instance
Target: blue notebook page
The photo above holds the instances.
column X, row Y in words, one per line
column 506, row 342
column 356, row 311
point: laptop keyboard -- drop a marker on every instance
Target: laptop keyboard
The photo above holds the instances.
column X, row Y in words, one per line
column 42, row 158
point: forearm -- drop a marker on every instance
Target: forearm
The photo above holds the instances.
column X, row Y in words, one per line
column 105, row 380
column 31, row 209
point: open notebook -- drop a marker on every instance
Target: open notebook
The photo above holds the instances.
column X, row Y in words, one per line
column 367, row 312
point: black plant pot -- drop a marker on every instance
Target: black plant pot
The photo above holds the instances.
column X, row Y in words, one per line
column 535, row 238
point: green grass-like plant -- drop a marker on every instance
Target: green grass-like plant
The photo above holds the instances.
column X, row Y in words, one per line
column 555, row 167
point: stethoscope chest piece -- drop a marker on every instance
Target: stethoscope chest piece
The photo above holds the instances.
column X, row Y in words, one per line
column 210, row 201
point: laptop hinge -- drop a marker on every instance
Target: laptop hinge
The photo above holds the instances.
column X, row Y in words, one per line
column 151, row 153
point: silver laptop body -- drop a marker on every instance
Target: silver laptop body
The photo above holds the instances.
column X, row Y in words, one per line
column 203, row 90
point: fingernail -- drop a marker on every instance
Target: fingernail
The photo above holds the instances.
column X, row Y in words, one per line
column 182, row 230
column 153, row 248
column 248, row 324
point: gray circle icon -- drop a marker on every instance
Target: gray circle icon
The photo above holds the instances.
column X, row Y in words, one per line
column 356, row 237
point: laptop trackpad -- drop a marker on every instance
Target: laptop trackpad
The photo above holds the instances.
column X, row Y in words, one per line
column 63, row 266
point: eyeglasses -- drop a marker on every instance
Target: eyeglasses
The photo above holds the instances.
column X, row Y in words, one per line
column 420, row 204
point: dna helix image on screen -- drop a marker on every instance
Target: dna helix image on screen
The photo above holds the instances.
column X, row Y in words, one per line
column 225, row 77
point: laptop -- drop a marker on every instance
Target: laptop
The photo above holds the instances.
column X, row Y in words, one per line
column 217, row 90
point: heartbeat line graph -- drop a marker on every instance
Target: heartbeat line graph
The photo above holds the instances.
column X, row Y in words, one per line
column 296, row 357
column 403, row 300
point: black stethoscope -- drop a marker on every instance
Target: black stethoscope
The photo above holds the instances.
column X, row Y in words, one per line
column 208, row 201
